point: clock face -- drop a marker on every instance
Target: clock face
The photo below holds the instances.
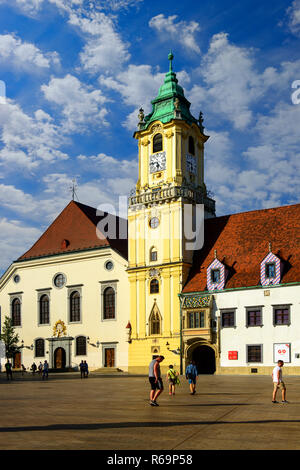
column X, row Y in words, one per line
column 157, row 162
column 154, row 222
column 191, row 164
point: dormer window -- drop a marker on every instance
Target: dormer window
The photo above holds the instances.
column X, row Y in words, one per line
column 215, row 275
column 270, row 270
column 157, row 143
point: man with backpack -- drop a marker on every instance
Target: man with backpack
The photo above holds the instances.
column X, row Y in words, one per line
column 191, row 374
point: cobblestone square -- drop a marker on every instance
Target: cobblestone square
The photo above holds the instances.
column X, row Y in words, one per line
column 113, row 412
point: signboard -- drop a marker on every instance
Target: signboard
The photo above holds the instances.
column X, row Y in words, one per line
column 232, row 355
column 2, row 349
column 282, row 352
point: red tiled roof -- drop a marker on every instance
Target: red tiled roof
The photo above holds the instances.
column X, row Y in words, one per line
column 74, row 230
column 242, row 242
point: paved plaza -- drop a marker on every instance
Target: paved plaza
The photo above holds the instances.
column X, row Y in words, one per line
column 113, row 412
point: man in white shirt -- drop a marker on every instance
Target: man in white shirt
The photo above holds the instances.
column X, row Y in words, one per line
column 278, row 382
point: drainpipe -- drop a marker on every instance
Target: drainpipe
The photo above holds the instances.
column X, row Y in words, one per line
column 181, row 358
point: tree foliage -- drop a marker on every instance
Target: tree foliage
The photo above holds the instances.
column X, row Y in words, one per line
column 10, row 338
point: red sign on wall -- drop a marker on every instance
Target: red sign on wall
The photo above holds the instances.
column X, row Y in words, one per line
column 232, row 355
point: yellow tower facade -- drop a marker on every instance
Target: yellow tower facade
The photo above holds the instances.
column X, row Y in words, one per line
column 169, row 188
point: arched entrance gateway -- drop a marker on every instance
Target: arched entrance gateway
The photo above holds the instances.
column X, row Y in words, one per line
column 204, row 357
column 59, row 358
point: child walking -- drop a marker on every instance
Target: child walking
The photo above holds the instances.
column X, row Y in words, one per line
column 172, row 378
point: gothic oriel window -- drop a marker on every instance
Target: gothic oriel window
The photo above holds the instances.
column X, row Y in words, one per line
column 196, row 319
column 81, row 346
column 154, row 286
column 109, row 303
column 44, row 310
column 157, row 143
column 155, row 323
column 39, row 347
column 16, row 312
column 74, row 306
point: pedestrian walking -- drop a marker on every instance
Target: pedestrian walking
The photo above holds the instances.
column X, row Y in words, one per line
column 191, row 374
column 33, row 368
column 155, row 380
column 82, row 370
column 45, row 370
column 278, row 383
column 23, row 369
column 40, row 368
column 86, row 369
column 8, row 370
column 172, row 378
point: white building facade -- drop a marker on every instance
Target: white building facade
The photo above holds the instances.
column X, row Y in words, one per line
column 68, row 306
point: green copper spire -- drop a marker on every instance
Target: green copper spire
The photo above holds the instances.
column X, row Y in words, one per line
column 170, row 57
column 170, row 102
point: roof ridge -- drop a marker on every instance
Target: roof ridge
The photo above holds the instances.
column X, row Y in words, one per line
column 255, row 210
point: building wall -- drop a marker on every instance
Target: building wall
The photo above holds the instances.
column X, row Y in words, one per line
column 86, row 272
column 237, row 338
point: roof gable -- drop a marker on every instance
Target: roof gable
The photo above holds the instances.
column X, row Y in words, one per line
column 75, row 229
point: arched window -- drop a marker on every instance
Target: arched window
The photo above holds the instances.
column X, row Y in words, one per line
column 39, row 347
column 154, row 286
column 16, row 312
column 81, row 346
column 44, row 310
column 191, row 146
column 75, row 306
column 153, row 254
column 155, row 323
column 157, row 143
column 109, row 303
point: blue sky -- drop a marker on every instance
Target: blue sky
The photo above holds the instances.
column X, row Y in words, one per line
column 76, row 73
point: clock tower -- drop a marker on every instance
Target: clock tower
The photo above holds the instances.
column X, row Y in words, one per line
column 170, row 179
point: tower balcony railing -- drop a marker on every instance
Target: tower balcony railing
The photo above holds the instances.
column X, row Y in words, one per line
column 158, row 195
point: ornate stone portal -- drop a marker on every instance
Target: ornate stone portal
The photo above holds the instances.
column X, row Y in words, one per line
column 60, row 347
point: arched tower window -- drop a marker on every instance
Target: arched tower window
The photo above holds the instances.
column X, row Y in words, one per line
column 154, row 286
column 157, row 143
column 191, row 146
column 75, row 306
column 44, row 310
column 16, row 312
column 109, row 303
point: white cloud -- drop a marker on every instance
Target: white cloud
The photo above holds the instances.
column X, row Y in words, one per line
column 138, row 85
column 28, row 140
column 25, row 55
column 294, row 17
column 231, row 81
column 28, row 7
column 183, row 32
column 82, row 106
column 104, row 49
column 15, row 239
